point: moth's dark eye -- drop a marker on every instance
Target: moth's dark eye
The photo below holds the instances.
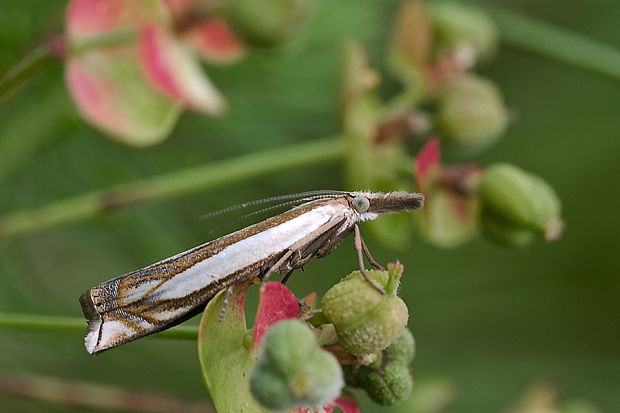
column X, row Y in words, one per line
column 361, row 204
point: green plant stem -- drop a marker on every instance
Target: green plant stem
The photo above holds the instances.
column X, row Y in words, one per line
column 25, row 322
column 24, row 70
column 564, row 46
column 171, row 185
column 96, row 396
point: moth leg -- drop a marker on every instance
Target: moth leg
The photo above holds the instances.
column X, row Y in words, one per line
column 288, row 275
column 360, row 259
column 277, row 265
column 369, row 256
column 300, row 253
column 229, row 292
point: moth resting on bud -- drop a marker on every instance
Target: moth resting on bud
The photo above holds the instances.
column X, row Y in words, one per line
column 366, row 320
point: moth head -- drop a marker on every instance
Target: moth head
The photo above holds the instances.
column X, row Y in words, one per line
column 370, row 205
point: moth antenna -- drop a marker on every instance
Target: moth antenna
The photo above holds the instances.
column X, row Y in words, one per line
column 320, row 192
column 272, row 207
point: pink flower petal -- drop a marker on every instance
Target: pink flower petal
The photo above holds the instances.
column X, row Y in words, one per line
column 277, row 303
column 90, row 94
column 156, row 63
column 89, row 18
column 427, row 159
column 216, row 42
column 173, row 71
column 347, row 403
column 110, row 93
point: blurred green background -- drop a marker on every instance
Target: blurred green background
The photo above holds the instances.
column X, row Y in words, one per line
column 491, row 321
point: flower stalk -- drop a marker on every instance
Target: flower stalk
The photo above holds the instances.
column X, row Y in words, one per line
column 25, row 322
column 38, row 59
column 171, row 185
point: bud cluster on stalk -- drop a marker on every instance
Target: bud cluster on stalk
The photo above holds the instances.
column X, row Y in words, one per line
column 366, row 320
column 372, row 326
column 293, row 370
column 435, row 50
column 358, row 338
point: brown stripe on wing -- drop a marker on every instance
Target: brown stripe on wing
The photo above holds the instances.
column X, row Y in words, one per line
column 101, row 303
column 195, row 302
column 111, row 293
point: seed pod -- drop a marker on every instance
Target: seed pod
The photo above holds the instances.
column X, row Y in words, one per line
column 458, row 25
column 388, row 381
column 402, row 349
column 293, row 370
column 471, row 112
column 505, row 232
column 517, row 205
column 366, row 320
column 386, row 385
column 390, row 385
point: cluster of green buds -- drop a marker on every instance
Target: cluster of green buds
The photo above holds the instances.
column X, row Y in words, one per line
column 471, row 113
column 387, row 380
column 507, row 205
column 434, row 51
column 366, row 320
column 371, row 326
column 293, row 370
column 296, row 357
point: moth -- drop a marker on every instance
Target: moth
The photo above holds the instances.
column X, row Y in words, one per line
column 170, row 291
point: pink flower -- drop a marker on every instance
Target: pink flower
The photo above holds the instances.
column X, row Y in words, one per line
column 131, row 71
column 450, row 214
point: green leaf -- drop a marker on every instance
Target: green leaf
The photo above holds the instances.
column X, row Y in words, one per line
column 224, row 354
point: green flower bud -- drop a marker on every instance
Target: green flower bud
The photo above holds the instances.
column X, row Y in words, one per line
column 269, row 389
column 386, row 385
column 388, row 381
column 390, row 385
column 517, row 205
column 471, row 112
column 505, row 232
column 268, row 23
column 458, row 25
column 402, row 349
column 322, row 377
column 366, row 320
column 288, row 345
column 293, row 370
